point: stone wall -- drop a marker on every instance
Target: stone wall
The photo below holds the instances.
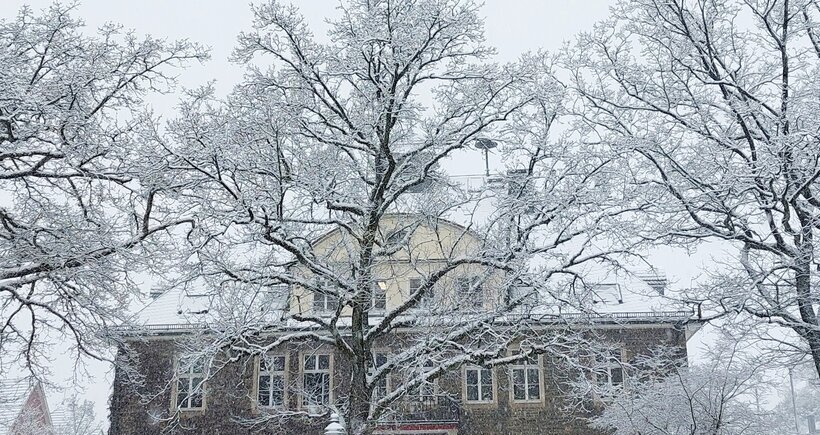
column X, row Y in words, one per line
column 146, row 409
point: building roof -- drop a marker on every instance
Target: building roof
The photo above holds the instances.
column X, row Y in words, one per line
column 14, row 395
column 614, row 296
column 629, row 298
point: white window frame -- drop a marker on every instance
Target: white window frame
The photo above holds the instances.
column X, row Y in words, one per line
column 470, row 288
column 264, row 371
column 526, row 366
column 307, row 398
column 428, row 296
column 427, row 391
column 329, row 303
column 192, row 375
column 606, row 364
column 480, row 386
column 378, row 295
column 382, row 388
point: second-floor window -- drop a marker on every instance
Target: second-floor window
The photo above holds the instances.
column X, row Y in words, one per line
column 324, row 303
column 316, row 379
column 414, row 284
column 190, row 383
column 479, row 384
column 526, row 380
column 469, row 293
column 271, row 386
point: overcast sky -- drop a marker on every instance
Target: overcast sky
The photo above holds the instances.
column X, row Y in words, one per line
column 512, row 26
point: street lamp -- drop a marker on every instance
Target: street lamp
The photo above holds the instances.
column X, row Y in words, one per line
column 486, row 144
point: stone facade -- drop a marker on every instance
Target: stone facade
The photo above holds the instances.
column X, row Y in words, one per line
column 230, row 394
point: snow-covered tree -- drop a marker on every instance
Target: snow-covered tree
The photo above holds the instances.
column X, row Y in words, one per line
column 75, row 417
column 667, row 397
column 716, row 104
column 798, row 405
column 82, row 199
column 320, row 181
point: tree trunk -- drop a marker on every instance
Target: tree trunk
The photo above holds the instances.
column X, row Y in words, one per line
column 359, row 395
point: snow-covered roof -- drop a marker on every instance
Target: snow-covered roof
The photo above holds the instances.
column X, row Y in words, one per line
column 613, row 297
column 14, row 393
column 183, row 308
column 177, row 306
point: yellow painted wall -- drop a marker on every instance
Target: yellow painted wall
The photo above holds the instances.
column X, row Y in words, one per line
column 429, row 247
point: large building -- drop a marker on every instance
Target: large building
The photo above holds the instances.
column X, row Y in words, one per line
column 291, row 388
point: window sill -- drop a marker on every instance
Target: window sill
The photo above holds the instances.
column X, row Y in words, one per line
column 480, row 404
column 192, row 411
column 527, row 403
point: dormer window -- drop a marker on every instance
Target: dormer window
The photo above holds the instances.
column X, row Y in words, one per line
column 656, row 281
column 414, row 284
column 523, row 297
column 324, row 299
column 411, row 167
column 607, row 293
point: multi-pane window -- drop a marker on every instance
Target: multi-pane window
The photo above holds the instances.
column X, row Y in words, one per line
column 526, row 380
column 414, row 286
column 316, row 381
column 469, row 292
column 190, row 383
column 479, row 384
column 271, row 391
column 425, row 391
column 381, row 389
column 324, row 302
column 608, row 368
column 379, row 295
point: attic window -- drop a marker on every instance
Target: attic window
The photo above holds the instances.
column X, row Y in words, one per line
column 656, row 281
column 523, row 296
column 396, row 236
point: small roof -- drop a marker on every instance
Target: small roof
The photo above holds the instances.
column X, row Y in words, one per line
column 14, row 393
column 181, row 308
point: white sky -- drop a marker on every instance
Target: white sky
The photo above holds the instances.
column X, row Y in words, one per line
column 512, row 26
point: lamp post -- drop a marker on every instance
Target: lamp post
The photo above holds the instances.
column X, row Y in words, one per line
column 794, row 402
column 335, row 428
column 485, row 144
